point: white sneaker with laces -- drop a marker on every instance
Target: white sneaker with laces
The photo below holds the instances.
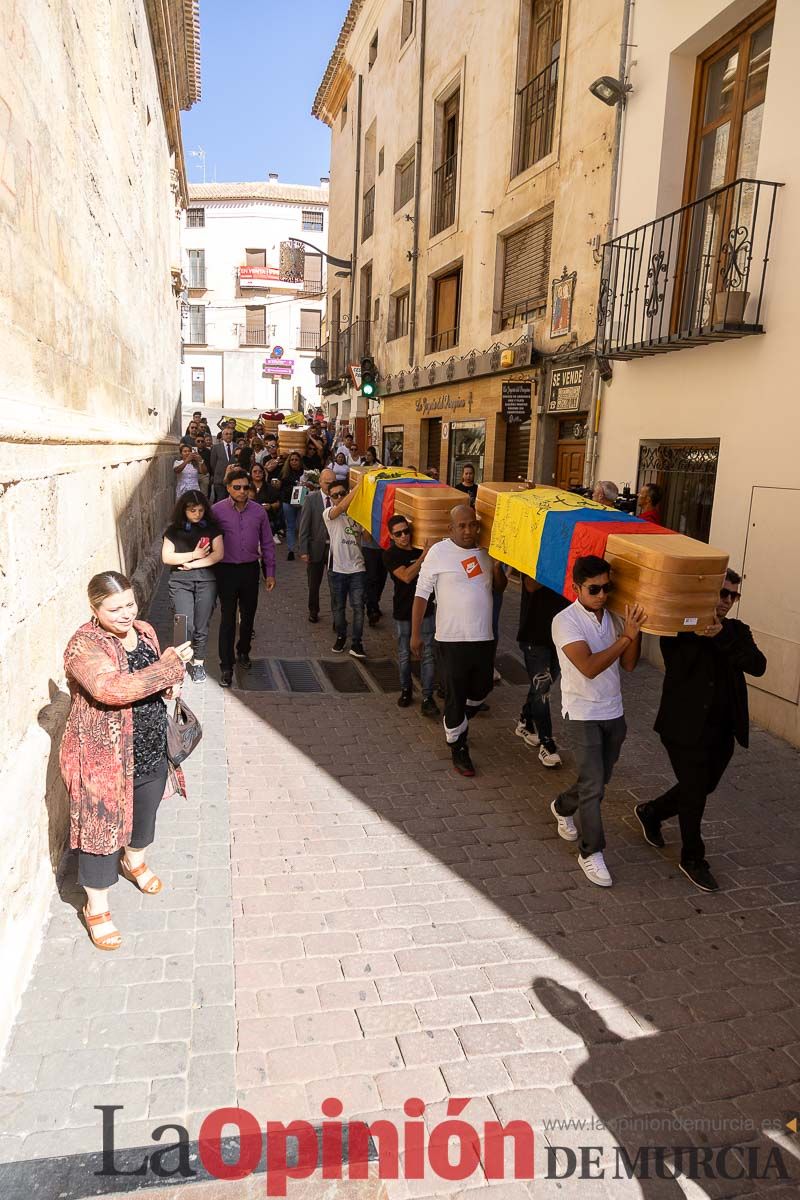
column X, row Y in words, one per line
column 549, row 758
column 566, row 825
column 595, row 869
column 528, row 735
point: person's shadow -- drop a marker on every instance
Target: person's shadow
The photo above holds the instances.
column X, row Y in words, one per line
column 640, row 1090
column 52, row 719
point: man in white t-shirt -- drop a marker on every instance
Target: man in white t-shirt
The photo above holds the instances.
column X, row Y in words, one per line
column 347, row 574
column 592, row 644
column 464, row 577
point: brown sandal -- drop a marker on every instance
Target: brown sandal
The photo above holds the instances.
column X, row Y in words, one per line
column 106, row 941
column 132, row 873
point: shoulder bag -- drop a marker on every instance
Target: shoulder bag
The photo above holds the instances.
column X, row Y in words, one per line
column 184, row 731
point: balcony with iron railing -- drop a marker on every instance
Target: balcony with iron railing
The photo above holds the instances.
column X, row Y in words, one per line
column 443, row 207
column 253, row 337
column 368, row 214
column 307, row 339
column 688, row 278
column 443, row 339
column 535, row 118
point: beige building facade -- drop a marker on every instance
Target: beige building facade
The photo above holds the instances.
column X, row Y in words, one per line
column 470, row 181
column 91, row 184
column 698, row 304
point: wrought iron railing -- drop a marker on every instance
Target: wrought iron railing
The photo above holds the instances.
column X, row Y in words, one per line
column 691, row 277
column 443, row 211
column 368, row 214
column 535, row 118
column 252, row 337
column 311, row 287
column 307, row 339
column 445, row 339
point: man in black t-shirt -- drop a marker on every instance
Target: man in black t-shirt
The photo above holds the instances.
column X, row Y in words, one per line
column 538, row 606
column 403, row 561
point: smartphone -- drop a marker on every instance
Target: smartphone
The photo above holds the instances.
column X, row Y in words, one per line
column 203, row 543
column 180, row 629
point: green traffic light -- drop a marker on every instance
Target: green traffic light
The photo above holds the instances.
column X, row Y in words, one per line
column 368, row 389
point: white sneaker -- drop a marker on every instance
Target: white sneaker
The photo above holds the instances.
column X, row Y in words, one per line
column 276, row 540
column 566, row 825
column 595, row 869
column 549, row 758
column 497, row 677
column 528, row 736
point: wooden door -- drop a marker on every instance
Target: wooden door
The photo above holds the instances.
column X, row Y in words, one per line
column 570, row 460
column 545, row 35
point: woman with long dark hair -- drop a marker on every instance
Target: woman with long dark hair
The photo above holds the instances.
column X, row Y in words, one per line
column 192, row 545
column 258, row 478
column 113, row 753
column 290, row 476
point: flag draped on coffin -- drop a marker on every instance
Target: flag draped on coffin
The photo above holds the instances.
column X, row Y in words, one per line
column 361, row 507
column 542, row 531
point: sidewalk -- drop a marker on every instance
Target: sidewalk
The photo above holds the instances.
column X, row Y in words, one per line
column 393, row 930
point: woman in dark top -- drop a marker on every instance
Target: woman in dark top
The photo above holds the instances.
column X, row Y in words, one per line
column 192, row 545
column 245, row 458
column 113, row 752
column 290, row 476
column 315, row 456
column 258, row 478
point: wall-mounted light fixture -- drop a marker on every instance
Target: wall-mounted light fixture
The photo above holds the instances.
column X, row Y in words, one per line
column 610, row 90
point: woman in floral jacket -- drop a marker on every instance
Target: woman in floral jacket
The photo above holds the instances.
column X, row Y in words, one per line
column 113, row 753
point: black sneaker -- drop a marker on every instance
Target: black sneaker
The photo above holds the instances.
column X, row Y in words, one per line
column 404, row 700
column 357, row 650
column 429, row 707
column 373, row 618
column 461, row 759
column 290, row 556
column 339, row 645
column 225, row 678
column 700, row 876
column 244, row 661
column 651, row 826
column 313, row 618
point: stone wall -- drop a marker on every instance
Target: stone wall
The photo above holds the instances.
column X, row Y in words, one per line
column 89, row 389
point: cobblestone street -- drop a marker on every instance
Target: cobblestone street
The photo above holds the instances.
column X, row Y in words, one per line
column 345, row 916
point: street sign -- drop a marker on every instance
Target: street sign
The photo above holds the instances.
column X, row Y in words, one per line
column 277, row 351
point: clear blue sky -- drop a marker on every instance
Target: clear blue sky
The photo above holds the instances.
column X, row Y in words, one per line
column 262, row 61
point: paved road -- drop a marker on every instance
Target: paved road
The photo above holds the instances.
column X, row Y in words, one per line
column 346, row 917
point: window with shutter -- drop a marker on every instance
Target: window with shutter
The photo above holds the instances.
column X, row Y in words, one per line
column 446, row 310
column 310, row 327
column 197, row 324
column 197, row 268
column 255, row 258
column 526, row 273
column 255, row 326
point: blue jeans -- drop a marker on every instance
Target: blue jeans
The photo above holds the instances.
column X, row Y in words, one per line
column 342, row 586
column 290, row 516
column 427, row 667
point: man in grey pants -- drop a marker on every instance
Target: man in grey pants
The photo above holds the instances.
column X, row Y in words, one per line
column 312, row 541
column 592, row 644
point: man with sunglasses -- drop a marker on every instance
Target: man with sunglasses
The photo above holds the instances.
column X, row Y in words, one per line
column 347, row 574
column 247, row 534
column 703, row 712
column 592, row 644
column 403, row 562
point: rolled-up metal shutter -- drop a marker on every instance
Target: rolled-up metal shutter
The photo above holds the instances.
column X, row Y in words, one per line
column 526, row 268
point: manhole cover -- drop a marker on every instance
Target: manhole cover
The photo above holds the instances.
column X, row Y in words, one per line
column 512, row 670
column 384, row 672
column 299, row 675
column 344, row 676
column 258, row 679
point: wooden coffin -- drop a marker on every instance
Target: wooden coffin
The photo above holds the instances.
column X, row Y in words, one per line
column 291, row 439
column 675, row 578
column 428, row 509
column 356, row 474
column 485, row 504
column 271, row 428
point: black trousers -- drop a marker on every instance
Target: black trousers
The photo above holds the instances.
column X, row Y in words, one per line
column 467, row 671
column 237, row 585
column 376, row 579
column 698, row 769
column 315, row 572
column 102, row 870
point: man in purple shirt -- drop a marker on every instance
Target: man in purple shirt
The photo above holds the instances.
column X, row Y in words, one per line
column 246, row 532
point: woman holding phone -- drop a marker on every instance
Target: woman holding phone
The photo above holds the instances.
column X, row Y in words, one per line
column 113, row 754
column 192, row 545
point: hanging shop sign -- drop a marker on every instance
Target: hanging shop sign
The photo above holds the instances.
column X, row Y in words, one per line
column 566, row 385
column 517, row 401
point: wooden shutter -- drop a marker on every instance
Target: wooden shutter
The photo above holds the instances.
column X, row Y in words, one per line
column 256, row 320
column 310, row 319
column 526, row 269
column 446, row 303
column 518, row 444
column 255, row 258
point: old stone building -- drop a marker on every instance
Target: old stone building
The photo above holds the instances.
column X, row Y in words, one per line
column 91, row 183
column 471, row 170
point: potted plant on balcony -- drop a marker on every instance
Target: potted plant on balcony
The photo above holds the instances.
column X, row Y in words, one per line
column 730, row 300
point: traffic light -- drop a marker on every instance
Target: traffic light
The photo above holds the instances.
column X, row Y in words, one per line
column 369, row 377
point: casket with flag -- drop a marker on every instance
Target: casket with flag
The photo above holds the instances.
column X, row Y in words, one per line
column 382, row 491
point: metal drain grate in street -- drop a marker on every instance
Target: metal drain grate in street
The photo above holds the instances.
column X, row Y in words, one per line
column 299, row 675
column 384, row 673
column 512, row 670
column 344, row 676
column 259, row 678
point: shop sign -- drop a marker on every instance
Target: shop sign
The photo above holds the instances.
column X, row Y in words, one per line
column 441, row 404
column 566, row 384
column 517, row 401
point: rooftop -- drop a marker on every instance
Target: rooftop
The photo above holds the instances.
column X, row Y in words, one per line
column 321, row 109
column 280, row 193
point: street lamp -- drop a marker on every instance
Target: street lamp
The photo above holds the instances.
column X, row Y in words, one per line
column 610, row 90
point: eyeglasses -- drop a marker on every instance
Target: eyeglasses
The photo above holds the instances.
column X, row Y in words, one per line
column 594, row 589
column 239, row 487
column 337, row 495
column 727, row 594
column 401, row 532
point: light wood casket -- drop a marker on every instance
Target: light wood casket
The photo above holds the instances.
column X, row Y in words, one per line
column 292, row 439
column 675, row 578
column 428, row 509
column 356, row 474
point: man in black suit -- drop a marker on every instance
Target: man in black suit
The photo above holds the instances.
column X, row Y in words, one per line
column 222, row 457
column 312, row 540
column 703, row 711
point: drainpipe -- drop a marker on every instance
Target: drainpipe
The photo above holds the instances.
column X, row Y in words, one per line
column 622, row 74
column 412, row 299
column 356, row 199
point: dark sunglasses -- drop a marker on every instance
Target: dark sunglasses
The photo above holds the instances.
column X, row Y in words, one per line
column 727, row 594
column 594, row 589
column 401, row 532
column 239, row 487
column 337, row 495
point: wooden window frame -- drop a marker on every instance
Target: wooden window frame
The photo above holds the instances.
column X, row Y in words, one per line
column 407, row 20
column 395, row 331
column 455, row 271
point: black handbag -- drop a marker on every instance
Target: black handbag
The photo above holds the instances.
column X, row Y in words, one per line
column 184, row 731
